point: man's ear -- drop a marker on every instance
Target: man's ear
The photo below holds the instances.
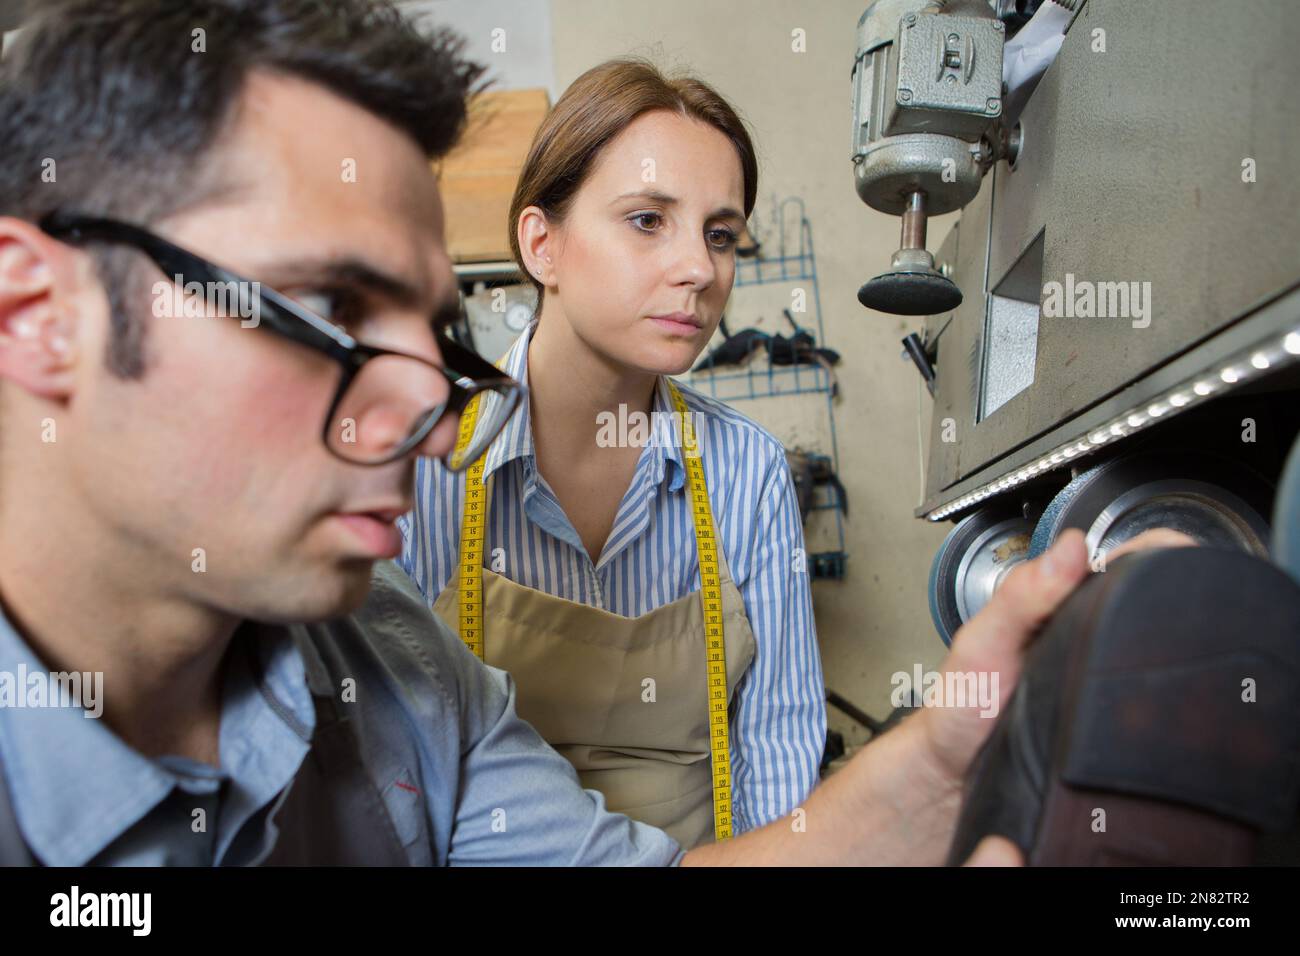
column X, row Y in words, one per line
column 38, row 328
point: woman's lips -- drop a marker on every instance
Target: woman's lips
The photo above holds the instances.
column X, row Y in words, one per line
column 674, row 326
column 381, row 538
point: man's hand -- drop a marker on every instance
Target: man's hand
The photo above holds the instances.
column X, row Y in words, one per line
column 996, row 851
column 995, row 639
column 896, row 801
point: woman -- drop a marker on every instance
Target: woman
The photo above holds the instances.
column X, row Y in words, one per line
column 589, row 587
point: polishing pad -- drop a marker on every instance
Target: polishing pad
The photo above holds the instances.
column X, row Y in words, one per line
column 910, row 293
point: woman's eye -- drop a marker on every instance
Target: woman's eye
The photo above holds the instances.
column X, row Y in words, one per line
column 722, row 238
column 640, row 220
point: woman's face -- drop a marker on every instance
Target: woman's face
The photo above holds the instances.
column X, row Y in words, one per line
column 651, row 234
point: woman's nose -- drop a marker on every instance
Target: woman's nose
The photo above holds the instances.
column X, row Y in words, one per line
column 694, row 265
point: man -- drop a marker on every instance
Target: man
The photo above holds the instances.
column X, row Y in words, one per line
column 182, row 510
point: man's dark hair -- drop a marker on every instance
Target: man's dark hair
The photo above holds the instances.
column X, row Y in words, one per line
column 116, row 93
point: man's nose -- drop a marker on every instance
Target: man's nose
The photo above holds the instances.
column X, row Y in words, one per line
column 430, row 393
column 442, row 439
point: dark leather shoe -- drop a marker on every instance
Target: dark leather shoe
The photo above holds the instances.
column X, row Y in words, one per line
column 1157, row 720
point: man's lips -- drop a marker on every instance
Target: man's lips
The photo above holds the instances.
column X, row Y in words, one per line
column 375, row 530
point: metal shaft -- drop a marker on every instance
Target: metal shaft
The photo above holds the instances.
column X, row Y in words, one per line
column 914, row 219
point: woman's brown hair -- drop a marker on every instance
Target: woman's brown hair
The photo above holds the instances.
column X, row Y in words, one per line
column 598, row 106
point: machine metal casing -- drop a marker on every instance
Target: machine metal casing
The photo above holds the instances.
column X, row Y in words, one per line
column 1135, row 166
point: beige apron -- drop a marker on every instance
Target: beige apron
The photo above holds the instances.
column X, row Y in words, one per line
column 623, row 699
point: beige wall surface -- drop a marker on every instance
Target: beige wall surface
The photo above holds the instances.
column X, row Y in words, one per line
column 876, row 621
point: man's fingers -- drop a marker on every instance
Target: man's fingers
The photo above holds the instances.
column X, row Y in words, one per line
column 1028, row 597
column 996, row 851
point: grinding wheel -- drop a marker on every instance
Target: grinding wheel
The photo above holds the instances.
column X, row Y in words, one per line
column 1215, row 501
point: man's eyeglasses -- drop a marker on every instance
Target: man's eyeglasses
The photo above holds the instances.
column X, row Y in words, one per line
column 386, row 403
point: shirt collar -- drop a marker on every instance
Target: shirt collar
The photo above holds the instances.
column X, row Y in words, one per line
column 668, row 438
column 516, row 438
column 77, row 787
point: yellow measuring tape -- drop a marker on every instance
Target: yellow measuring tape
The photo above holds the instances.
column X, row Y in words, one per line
column 471, row 590
column 471, row 537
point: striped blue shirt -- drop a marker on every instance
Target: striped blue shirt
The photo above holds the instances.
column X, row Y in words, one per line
column 778, row 724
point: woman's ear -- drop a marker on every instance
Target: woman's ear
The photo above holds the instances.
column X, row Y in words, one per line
column 536, row 244
column 37, row 331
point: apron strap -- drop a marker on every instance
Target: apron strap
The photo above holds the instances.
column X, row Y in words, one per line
column 333, row 814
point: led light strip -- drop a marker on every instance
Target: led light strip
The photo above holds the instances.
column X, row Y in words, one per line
column 1245, row 365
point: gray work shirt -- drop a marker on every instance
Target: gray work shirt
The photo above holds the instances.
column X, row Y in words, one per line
column 465, row 780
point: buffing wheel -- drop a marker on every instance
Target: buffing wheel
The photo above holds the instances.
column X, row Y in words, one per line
column 979, row 551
